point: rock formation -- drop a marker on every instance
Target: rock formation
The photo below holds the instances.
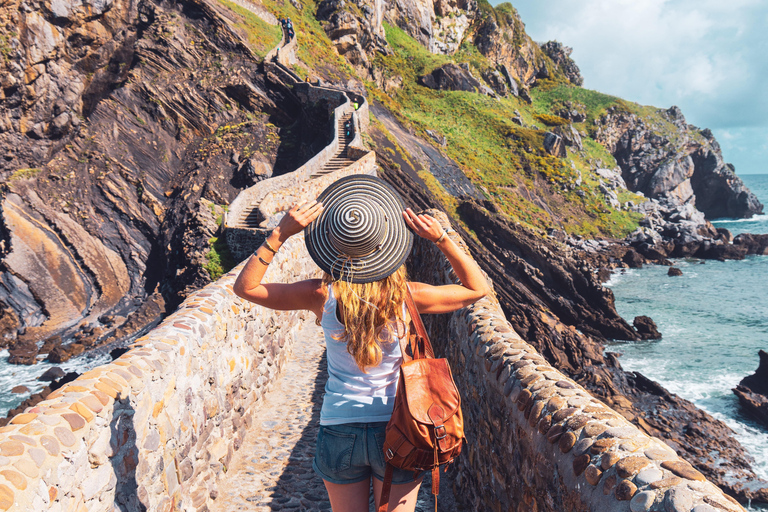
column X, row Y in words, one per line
column 501, row 37
column 561, row 56
column 753, row 391
column 451, row 77
column 676, row 162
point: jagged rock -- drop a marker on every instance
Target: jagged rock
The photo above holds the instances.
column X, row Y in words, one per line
column 633, row 259
column 716, row 250
column 62, row 354
column 24, row 351
column 448, row 31
column 554, row 145
column 51, row 374
column 754, row 244
column 9, row 323
column 497, row 81
column 753, row 391
column 570, row 135
column 674, row 272
column 502, row 39
column 50, row 344
column 252, row 170
column 450, row 77
column 725, row 235
column 612, row 178
column 561, row 56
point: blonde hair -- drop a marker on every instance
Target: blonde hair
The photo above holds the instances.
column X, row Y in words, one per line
column 366, row 309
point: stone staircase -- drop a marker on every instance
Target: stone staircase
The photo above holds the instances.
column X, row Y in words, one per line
column 251, row 218
column 256, row 209
column 341, row 159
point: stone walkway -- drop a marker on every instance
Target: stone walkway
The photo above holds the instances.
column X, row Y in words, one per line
column 273, row 468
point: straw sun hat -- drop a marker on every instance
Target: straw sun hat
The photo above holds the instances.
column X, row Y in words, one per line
column 361, row 236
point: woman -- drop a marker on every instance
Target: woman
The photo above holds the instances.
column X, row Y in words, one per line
column 356, row 232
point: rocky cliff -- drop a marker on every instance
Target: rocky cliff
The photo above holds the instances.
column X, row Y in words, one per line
column 125, row 119
column 668, row 159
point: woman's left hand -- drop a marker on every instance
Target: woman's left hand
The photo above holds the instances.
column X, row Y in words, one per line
column 297, row 218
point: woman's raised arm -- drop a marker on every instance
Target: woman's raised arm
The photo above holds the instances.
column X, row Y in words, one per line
column 446, row 298
column 284, row 296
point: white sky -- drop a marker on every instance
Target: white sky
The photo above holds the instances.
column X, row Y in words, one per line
column 709, row 57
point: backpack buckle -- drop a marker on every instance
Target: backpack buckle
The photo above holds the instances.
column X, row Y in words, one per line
column 437, row 435
column 389, row 454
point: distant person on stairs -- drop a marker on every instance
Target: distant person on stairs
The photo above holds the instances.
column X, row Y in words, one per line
column 357, row 232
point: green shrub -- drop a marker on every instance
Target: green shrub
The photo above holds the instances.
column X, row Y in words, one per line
column 218, row 259
column 551, row 120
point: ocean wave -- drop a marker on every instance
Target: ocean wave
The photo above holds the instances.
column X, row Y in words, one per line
column 12, row 375
column 755, row 218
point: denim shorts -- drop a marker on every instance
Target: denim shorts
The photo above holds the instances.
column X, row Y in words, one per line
column 352, row 452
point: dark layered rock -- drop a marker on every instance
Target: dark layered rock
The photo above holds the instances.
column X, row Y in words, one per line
column 674, row 272
column 679, row 164
column 753, row 244
column 133, row 113
column 561, row 56
column 753, row 391
column 646, row 328
column 554, row 144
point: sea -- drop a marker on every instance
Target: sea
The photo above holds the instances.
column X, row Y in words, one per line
column 713, row 320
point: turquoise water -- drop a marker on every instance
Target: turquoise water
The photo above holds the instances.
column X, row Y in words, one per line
column 713, row 319
column 12, row 375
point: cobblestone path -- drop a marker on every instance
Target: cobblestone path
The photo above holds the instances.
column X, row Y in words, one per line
column 273, row 468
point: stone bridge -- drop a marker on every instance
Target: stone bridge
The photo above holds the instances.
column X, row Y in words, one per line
column 216, row 408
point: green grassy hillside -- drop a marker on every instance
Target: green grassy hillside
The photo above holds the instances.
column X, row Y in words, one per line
column 504, row 160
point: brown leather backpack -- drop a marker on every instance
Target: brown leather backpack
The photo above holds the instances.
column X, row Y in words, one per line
column 427, row 428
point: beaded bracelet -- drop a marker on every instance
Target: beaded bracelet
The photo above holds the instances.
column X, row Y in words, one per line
column 263, row 261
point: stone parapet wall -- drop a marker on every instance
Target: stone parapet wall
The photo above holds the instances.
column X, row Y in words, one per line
column 159, row 425
column 536, row 440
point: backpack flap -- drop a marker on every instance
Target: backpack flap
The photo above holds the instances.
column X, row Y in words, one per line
column 428, row 383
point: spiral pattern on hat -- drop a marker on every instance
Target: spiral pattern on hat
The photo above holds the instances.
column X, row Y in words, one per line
column 358, row 227
column 361, row 236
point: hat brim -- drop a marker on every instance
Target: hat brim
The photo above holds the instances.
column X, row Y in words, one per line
column 391, row 253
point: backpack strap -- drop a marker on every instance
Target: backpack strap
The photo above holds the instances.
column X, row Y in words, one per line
column 425, row 347
column 384, row 502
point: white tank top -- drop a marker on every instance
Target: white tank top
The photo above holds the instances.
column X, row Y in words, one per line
column 352, row 396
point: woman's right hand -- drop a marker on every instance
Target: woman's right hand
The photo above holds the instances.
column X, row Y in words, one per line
column 297, row 218
column 423, row 225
